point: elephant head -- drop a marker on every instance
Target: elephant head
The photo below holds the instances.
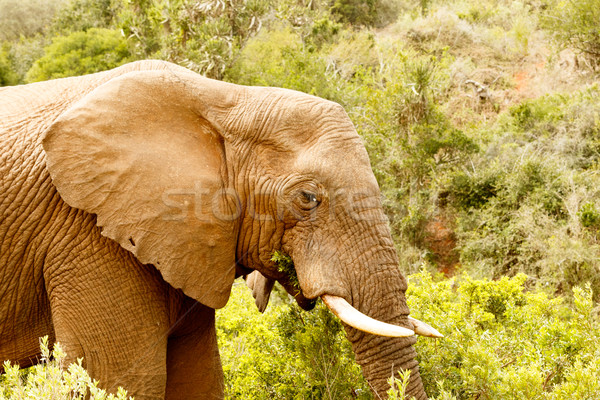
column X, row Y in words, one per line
column 202, row 178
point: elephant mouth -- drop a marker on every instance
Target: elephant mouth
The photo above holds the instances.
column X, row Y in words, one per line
column 304, row 302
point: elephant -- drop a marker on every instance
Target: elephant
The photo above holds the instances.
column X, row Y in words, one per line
column 132, row 198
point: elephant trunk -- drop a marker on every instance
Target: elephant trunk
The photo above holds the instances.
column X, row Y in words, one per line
column 381, row 357
column 381, row 295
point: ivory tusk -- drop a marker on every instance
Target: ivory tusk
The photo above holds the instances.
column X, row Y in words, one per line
column 421, row 328
column 351, row 316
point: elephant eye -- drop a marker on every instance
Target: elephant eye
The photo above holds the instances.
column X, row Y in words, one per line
column 309, row 200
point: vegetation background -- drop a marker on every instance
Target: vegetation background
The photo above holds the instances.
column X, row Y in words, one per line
column 482, row 121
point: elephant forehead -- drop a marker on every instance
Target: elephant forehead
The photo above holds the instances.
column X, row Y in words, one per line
column 316, row 116
column 295, row 117
column 338, row 161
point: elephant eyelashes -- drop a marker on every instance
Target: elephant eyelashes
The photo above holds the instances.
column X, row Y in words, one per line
column 309, row 201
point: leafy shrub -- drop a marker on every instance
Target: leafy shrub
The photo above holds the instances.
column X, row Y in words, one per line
column 23, row 53
column 285, row 353
column 205, row 37
column 356, row 12
column 520, row 209
column 472, row 190
column 25, row 18
column 82, row 15
column 279, row 57
column 444, row 28
column 80, row 53
column 589, row 215
column 504, row 342
column 416, row 103
column 539, row 115
column 410, row 140
column 575, row 24
column 322, row 31
column 353, row 55
column 537, row 182
column 52, row 380
column 140, row 21
column 8, row 76
column 398, row 386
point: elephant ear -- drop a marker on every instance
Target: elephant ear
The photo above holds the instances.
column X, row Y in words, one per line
column 145, row 153
column 261, row 287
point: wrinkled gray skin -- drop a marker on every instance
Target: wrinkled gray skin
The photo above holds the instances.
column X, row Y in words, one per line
column 132, row 198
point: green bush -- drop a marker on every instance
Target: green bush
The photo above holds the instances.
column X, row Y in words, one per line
column 575, row 24
column 322, row 31
column 285, row 353
column 80, row 53
column 25, row 18
column 356, row 12
column 411, row 141
column 52, row 380
column 468, row 190
column 8, row 76
column 505, row 342
column 279, row 57
column 205, row 37
column 520, row 205
column 589, row 216
column 82, row 15
column 398, row 386
column 539, row 116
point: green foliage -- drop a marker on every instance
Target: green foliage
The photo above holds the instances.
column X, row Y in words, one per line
column 472, row 190
column 410, row 140
column 25, row 18
column 539, row 115
column 80, row 53
column 356, row 12
column 203, row 36
column 23, row 24
column 489, row 301
column 82, row 15
column 8, row 76
column 280, row 58
column 521, row 207
column 140, row 21
column 589, row 215
column 415, row 103
column 504, row 342
column 367, row 13
column 398, row 386
column 285, row 353
column 52, row 380
column 575, row 24
column 322, row 31
column 286, row 265
column 23, row 53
